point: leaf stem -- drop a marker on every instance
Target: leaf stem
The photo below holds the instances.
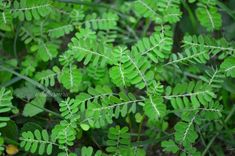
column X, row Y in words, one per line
column 10, row 82
column 47, row 110
column 47, row 91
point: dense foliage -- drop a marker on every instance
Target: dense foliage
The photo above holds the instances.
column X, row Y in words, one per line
column 120, row 77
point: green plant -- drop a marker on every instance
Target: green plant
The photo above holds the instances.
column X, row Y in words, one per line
column 126, row 78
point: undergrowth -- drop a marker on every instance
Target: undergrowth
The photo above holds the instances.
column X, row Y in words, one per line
column 121, row 77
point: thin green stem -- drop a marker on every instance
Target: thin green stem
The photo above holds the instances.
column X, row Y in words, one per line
column 10, row 82
column 47, row 110
column 44, row 109
column 46, row 90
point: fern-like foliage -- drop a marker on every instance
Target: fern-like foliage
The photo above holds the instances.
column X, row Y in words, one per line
column 213, row 77
column 65, row 132
column 189, row 95
column 154, row 107
column 116, row 63
column 46, row 51
column 208, row 45
column 58, row 30
column 68, row 108
column 89, row 151
column 29, row 10
column 105, row 22
column 119, row 140
column 5, row 105
column 170, row 146
column 208, row 15
column 37, row 142
column 5, row 16
column 199, row 49
column 70, row 77
column 228, row 66
column 101, row 114
column 46, row 77
column 96, row 72
column 161, row 11
column 89, row 50
column 30, row 34
column 169, row 11
column 100, row 106
column 117, row 73
column 155, row 88
column 185, row 132
column 188, row 57
column 130, row 68
column 157, row 47
column 93, row 95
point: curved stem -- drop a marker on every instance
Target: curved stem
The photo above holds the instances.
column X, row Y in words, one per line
column 46, row 90
column 10, row 82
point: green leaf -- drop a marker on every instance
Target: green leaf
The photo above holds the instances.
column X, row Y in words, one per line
column 46, row 77
column 119, row 140
column 65, row 132
column 71, row 77
column 47, row 51
column 157, row 47
column 229, row 66
column 28, row 10
column 206, row 46
column 185, row 133
column 28, row 91
column 87, row 151
column 5, row 106
column 190, row 95
column 170, row 146
column 57, row 30
column 208, row 16
column 85, row 127
column 161, row 12
column 36, row 106
column 89, row 51
column 130, row 68
column 36, row 142
column 154, row 107
column 68, row 108
column 106, row 22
